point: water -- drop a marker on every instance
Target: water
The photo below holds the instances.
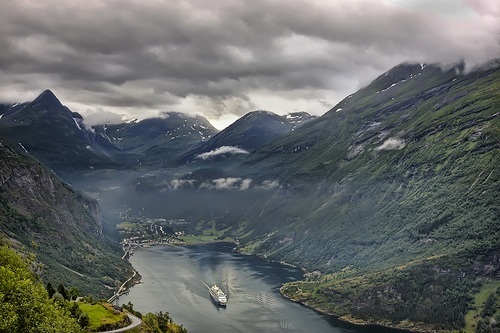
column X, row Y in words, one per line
column 174, row 280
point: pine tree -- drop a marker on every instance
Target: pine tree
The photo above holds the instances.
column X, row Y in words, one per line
column 61, row 290
column 50, row 290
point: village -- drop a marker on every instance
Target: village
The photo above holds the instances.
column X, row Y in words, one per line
column 147, row 232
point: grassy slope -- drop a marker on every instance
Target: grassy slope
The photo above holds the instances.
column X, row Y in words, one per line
column 101, row 314
column 490, row 286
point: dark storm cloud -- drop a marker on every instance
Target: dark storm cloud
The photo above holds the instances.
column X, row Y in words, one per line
column 217, row 57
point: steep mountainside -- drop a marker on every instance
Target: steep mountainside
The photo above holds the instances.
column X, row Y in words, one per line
column 410, row 156
column 60, row 225
column 247, row 134
column 54, row 135
column 401, row 175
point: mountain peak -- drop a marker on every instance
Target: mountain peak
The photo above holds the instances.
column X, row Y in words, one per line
column 261, row 112
column 298, row 118
column 47, row 100
column 46, row 95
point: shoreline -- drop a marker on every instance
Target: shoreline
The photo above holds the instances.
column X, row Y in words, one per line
column 337, row 320
column 342, row 321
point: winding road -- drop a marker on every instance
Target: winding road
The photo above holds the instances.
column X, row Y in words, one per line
column 134, row 322
column 118, row 293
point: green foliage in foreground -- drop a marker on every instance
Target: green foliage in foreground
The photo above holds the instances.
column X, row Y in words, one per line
column 159, row 322
column 24, row 304
column 486, row 311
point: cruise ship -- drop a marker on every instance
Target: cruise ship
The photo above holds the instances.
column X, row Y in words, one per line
column 218, row 295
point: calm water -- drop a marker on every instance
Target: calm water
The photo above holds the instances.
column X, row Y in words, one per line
column 174, row 278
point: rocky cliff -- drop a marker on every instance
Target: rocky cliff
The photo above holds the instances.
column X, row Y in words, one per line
column 60, row 225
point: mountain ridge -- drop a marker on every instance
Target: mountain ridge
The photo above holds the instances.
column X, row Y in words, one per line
column 157, row 140
column 55, row 135
column 249, row 132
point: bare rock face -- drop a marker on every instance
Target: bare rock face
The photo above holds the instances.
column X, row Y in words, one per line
column 488, row 265
column 37, row 193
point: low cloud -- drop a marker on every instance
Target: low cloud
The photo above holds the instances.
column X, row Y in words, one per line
column 392, row 144
column 268, row 184
column 222, row 151
column 220, row 58
column 99, row 116
column 176, row 183
column 229, row 183
column 245, row 184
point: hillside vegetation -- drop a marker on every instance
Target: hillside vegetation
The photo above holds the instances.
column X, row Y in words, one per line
column 24, row 304
column 397, row 185
column 60, row 225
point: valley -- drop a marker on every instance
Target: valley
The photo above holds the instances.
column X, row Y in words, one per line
column 390, row 198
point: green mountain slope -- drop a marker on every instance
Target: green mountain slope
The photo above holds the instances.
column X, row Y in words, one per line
column 416, row 167
column 60, row 225
column 403, row 171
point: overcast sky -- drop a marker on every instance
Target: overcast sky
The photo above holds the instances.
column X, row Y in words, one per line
column 117, row 59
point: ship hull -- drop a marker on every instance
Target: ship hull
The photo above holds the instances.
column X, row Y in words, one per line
column 217, row 296
column 218, row 303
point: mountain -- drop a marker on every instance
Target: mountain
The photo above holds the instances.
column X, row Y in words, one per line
column 61, row 226
column 54, row 135
column 394, row 189
column 247, row 134
column 60, row 139
column 156, row 140
column 394, row 154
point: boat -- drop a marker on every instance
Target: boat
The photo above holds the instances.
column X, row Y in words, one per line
column 218, row 295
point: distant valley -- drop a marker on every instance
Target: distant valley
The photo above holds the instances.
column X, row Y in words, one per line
column 389, row 200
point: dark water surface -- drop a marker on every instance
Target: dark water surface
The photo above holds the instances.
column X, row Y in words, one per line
column 174, row 280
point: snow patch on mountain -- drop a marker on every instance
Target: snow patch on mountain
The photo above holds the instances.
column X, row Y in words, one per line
column 392, row 85
column 76, row 123
column 26, row 151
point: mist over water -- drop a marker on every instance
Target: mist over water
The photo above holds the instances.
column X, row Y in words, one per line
column 174, row 279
